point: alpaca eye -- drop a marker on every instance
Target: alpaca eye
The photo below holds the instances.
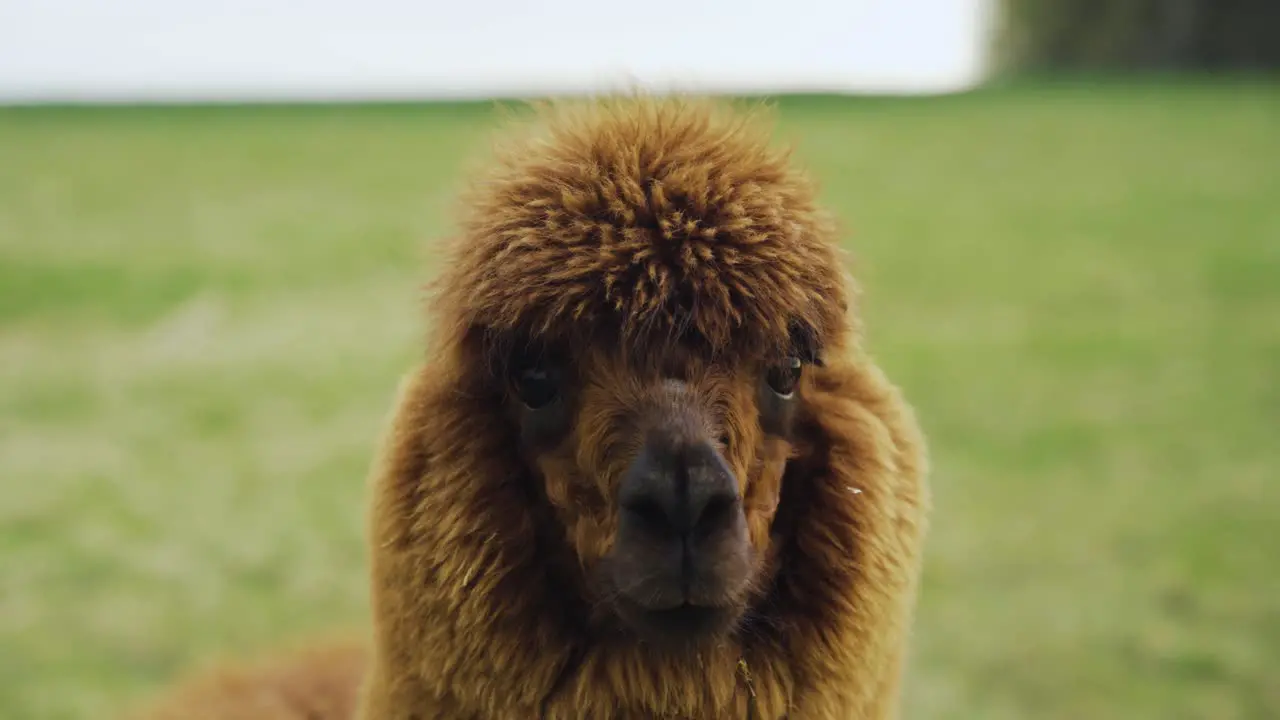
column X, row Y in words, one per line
column 536, row 387
column 783, row 378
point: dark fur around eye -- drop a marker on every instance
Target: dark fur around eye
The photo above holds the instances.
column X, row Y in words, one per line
column 783, row 377
column 536, row 386
column 777, row 396
column 539, row 380
column 534, row 375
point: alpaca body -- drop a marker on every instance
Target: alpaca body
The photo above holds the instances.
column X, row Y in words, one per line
column 586, row 237
column 644, row 299
column 320, row 682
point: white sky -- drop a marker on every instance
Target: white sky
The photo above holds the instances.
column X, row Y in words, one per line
column 281, row 49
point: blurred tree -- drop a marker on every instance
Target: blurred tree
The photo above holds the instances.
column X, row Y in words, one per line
column 1042, row 35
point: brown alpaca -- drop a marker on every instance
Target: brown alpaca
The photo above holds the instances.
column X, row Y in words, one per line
column 320, row 682
column 647, row 469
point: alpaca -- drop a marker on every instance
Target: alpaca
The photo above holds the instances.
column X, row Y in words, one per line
column 320, row 681
column 647, row 468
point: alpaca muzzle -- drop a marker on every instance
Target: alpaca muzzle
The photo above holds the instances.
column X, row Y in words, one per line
column 682, row 555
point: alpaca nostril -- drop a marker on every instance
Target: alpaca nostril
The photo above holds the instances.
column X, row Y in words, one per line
column 678, row 491
column 716, row 513
column 650, row 512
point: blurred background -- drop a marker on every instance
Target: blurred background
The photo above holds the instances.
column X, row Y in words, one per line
column 1066, row 214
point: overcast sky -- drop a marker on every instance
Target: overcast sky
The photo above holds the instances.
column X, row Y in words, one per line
column 242, row 49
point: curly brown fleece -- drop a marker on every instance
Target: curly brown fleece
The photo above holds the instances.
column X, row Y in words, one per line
column 663, row 227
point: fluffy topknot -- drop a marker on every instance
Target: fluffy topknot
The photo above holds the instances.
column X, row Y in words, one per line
column 656, row 220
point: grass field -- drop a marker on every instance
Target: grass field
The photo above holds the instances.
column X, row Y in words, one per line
column 203, row 313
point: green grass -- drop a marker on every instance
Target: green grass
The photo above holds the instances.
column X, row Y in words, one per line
column 203, row 314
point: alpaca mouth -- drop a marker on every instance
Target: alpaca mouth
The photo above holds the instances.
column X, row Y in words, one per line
column 680, row 624
column 687, row 616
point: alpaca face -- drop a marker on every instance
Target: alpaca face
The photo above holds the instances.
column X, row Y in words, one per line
column 646, row 280
column 665, row 473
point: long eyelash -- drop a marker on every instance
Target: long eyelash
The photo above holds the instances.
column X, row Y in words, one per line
column 804, row 343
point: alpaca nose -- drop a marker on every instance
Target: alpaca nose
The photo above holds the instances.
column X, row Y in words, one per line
column 679, row 488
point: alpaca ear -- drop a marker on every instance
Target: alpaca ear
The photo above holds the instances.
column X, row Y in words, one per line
column 855, row 503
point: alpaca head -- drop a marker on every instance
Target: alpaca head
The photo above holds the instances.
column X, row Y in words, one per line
column 642, row 294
